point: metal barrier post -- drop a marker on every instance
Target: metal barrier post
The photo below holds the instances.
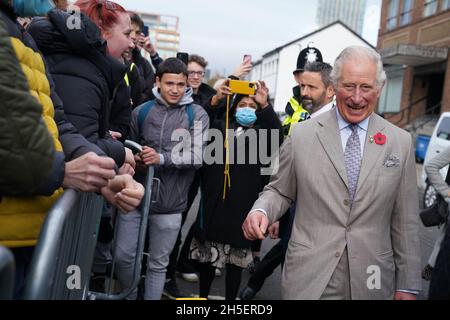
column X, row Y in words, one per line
column 145, row 209
column 7, row 273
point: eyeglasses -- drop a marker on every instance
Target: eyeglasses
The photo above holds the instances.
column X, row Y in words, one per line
column 198, row 73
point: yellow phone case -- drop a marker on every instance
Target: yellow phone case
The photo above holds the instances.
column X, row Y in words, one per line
column 242, row 87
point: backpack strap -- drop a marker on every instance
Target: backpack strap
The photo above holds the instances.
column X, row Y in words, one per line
column 190, row 114
column 145, row 109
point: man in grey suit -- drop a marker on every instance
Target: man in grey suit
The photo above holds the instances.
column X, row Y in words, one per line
column 355, row 234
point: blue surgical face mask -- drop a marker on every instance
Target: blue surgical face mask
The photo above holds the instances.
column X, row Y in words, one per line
column 246, row 116
column 32, row 8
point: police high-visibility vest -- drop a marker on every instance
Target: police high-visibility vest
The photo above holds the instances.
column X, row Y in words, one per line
column 300, row 114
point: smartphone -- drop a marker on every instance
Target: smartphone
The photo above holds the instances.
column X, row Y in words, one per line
column 242, row 87
column 247, row 58
column 183, row 56
column 145, row 31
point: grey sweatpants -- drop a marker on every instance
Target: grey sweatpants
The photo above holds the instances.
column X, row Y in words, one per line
column 163, row 231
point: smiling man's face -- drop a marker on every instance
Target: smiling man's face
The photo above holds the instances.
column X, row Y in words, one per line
column 357, row 93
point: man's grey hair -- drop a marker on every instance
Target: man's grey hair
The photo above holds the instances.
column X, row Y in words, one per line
column 358, row 52
column 323, row 68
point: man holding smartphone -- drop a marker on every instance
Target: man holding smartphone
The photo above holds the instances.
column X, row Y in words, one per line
column 142, row 41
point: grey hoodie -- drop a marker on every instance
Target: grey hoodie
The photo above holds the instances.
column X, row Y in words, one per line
column 176, row 173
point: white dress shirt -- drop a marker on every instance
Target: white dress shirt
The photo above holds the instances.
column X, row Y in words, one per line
column 346, row 131
column 324, row 109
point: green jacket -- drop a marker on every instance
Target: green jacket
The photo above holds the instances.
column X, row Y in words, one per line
column 26, row 146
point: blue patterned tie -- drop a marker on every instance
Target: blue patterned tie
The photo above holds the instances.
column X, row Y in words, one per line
column 352, row 157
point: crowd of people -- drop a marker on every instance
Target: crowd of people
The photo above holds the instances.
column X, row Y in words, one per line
column 341, row 199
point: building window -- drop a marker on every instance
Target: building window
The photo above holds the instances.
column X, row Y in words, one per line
column 445, row 5
column 430, row 7
column 390, row 99
column 391, row 21
column 407, row 10
column 168, row 37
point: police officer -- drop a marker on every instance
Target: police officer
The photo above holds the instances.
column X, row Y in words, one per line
column 294, row 109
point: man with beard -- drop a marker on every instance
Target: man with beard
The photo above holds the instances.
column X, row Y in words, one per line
column 316, row 88
column 294, row 109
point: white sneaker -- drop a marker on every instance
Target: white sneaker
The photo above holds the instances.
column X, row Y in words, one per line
column 190, row 277
column 218, row 272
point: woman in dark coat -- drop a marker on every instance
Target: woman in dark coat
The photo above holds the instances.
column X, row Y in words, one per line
column 218, row 238
column 86, row 68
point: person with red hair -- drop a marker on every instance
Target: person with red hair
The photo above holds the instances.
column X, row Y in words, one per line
column 85, row 61
column 114, row 23
column 88, row 70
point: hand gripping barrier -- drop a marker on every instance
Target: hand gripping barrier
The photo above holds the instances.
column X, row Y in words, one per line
column 145, row 210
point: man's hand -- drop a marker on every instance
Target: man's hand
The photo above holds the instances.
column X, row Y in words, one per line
column 129, row 158
column 89, row 172
column 147, row 45
column 149, row 156
column 124, row 192
column 242, row 70
column 255, row 225
column 127, row 169
column 399, row 295
column 274, row 230
column 115, row 135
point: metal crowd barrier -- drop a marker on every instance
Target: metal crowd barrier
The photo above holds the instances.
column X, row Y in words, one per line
column 145, row 210
column 62, row 260
column 7, row 269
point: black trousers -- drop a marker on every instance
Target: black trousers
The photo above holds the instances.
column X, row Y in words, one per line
column 232, row 280
column 268, row 264
column 182, row 263
column 275, row 256
column 440, row 278
column 256, row 245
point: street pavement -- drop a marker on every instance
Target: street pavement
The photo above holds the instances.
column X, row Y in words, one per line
column 271, row 289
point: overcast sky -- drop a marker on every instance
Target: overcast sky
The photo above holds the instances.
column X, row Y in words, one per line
column 223, row 31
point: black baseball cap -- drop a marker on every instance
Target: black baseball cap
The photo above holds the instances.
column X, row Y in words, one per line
column 309, row 54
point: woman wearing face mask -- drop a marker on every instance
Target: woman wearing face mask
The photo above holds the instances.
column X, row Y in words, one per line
column 88, row 70
column 218, row 238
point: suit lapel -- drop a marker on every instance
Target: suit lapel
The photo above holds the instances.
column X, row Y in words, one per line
column 330, row 139
column 372, row 151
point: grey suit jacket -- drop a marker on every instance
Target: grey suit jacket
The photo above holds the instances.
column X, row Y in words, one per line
column 379, row 231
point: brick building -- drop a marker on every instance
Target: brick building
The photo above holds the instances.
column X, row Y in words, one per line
column 413, row 40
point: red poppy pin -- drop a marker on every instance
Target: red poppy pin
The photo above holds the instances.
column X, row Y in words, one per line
column 379, row 138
